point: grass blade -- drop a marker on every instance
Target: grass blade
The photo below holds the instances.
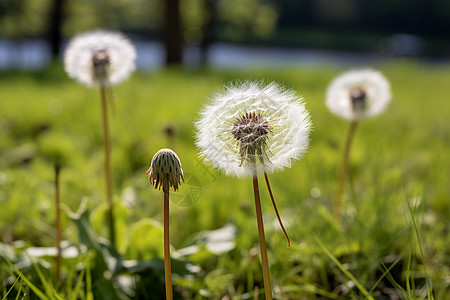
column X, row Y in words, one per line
column 48, row 287
column 408, row 267
column 397, row 286
column 34, row 288
column 18, row 292
column 9, row 291
column 422, row 256
column 89, row 294
column 76, row 290
column 386, row 271
column 343, row 270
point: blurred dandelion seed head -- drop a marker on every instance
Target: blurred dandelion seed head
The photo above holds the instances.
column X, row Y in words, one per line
column 165, row 170
column 251, row 128
column 99, row 58
column 358, row 94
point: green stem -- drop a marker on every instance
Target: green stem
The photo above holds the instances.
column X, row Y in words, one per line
column 262, row 241
column 343, row 170
column 276, row 210
column 107, row 149
column 167, row 266
column 58, row 224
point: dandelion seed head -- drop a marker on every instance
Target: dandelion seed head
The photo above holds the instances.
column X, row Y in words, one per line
column 250, row 128
column 165, row 170
column 358, row 94
column 99, row 58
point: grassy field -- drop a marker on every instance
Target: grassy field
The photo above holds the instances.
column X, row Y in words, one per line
column 393, row 236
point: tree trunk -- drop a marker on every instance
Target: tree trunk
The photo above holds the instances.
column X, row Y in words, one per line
column 173, row 35
column 55, row 35
column 208, row 31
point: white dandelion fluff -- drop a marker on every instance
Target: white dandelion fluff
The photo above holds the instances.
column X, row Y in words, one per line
column 249, row 128
column 99, row 58
column 358, row 94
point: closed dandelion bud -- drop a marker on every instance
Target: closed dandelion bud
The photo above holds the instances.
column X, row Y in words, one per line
column 358, row 94
column 99, row 58
column 165, row 170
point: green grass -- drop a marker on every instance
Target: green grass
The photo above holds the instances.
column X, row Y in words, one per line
column 398, row 161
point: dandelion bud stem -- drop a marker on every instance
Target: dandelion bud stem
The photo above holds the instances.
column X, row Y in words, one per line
column 276, row 210
column 167, row 266
column 165, row 171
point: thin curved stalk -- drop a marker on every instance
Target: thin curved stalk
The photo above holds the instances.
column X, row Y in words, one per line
column 276, row 209
column 167, row 266
column 338, row 202
column 107, row 150
column 262, row 241
column 58, row 224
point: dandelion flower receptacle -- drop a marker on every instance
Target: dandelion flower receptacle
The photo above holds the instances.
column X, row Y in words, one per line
column 101, row 58
column 250, row 129
column 165, row 171
column 355, row 95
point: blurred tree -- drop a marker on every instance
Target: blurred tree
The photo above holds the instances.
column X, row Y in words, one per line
column 206, row 21
column 173, row 34
column 201, row 22
column 55, row 29
column 208, row 29
column 243, row 19
column 23, row 18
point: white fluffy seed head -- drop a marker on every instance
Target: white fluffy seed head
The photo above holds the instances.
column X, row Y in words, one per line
column 165, row 170
column 250, row 128
column 99, row 58
column 358, row 94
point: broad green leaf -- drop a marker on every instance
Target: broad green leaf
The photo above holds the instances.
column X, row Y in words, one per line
column 146, row 240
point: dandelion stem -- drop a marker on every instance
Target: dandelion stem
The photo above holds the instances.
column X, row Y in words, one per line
column 167, row 266
column 262, row 241
column 107, row 149
column 58, row 223
column 276, row 210
column 343, row 170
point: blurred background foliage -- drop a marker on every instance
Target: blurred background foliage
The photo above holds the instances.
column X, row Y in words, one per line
column 340, row 24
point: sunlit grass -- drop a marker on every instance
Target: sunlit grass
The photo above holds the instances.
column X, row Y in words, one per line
column 403, row 151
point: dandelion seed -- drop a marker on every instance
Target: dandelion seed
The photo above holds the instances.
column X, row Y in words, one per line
column 249, row 130
column 99, row 58
column 358, row 94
